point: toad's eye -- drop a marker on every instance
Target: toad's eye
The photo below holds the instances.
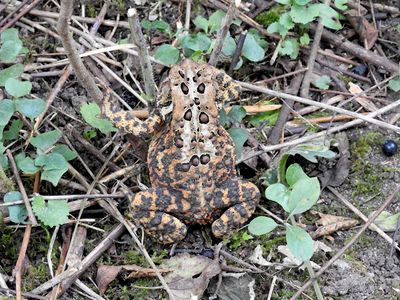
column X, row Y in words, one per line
column 201, row 88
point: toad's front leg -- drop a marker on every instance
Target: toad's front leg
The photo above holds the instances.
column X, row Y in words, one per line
column 154, row 209
column 128, row 121
column 242, row 198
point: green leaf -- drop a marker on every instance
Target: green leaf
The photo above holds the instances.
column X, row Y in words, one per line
column 17, row 88
column 6, row 111
column 30, row 108
column 239, row 137
column 252, row 50
column 299, row 242
column 301, row 2
column 278, row 28
column 329, row 16
column 52, row 213
column 278, row 193
column 215, row 20
column 294, row 173
column 10, row 34
column 197, row 42
column 235, row 115
column 65, row 151
column 45, row 141
column 27, row 165
column 304, row 195
column 394, row 84
column 9, row 51
column 284, row 2
column 261, row 225
column 304, row 39
column 267, row 117
column 310, row 151
column 18, row 213
column 54, row 166
column 167, row 55
column 341, row 4
column 162, row 26
column 229, row 46
column 11, row 72
column 13, row 132
column 323, row 82
column 286, row 21
column 91, row 113
column 201, row 23
column 304, row 15
column 89, row 134
column 387, row 221
column 290, row 47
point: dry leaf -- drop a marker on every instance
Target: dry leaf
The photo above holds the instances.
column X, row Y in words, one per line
column 331, row 224
column 354, row 89
column 365, row 30
column 257, row 257
column 190, row 276
column 106, row 274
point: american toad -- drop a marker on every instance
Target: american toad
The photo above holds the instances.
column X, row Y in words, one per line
column 191, row 158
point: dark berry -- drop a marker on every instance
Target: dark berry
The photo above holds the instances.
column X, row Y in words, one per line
column 389, row 147
column 360, row 70
column 207, row 253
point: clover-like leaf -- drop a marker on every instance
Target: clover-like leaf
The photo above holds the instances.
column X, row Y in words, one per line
column 91, row 113
column 286, row 21
column 30, row 108
column 17, row 88
column 341, row 4
column 6, row 111
column 52, row 212
column 167, row 55
column 215, row 20
column 394, row 84
column 54, row 166
column 239, row 137
column 9, row 51
column 13, row 131
column 45, row 141
column 229, row 46
column 323, row 82
column 290, row 47
column 278, row 193
column 294, row 173
column 329, row 16
column 299, row 242
column 13, row 71
column 201, row 23
column 261, row 225
column 196, row 42
column 65, row 151
column 304, row 15
column 304, row 195
column 18, row 213
column 252, row 50
column 304, row 39
column 27, row 165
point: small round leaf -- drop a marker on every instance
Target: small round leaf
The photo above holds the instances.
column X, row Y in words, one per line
column 167, row 55
column 17, row 88
column 262, row 225
column 299, row 242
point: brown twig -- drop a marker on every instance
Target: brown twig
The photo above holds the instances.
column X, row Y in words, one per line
column 20, row 262
column 12, row 13
column 321, row 133
column 267, row 80
column 81, row 72
column 348, row 245
column 304, row 91
column 19, row 15
column 221, row 35
column 140, row 42
column 21, row 187
column 238, row 52
column 293, row 89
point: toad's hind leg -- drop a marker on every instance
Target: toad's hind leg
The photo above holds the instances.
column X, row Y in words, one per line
column 244, row 197
column 151, row 209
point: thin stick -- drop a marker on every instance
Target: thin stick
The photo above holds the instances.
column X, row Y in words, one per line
column 21, row 187
column 11, row 14
column 221, row 35
column 264, row 81
column 321, row 133
column 304, row 91
column 363, row 217
column 349, row 244
column 238, row 52
column 366, row 118
column 20, row 262
column 19, row 15
column 187, row 14
column 144, row 57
